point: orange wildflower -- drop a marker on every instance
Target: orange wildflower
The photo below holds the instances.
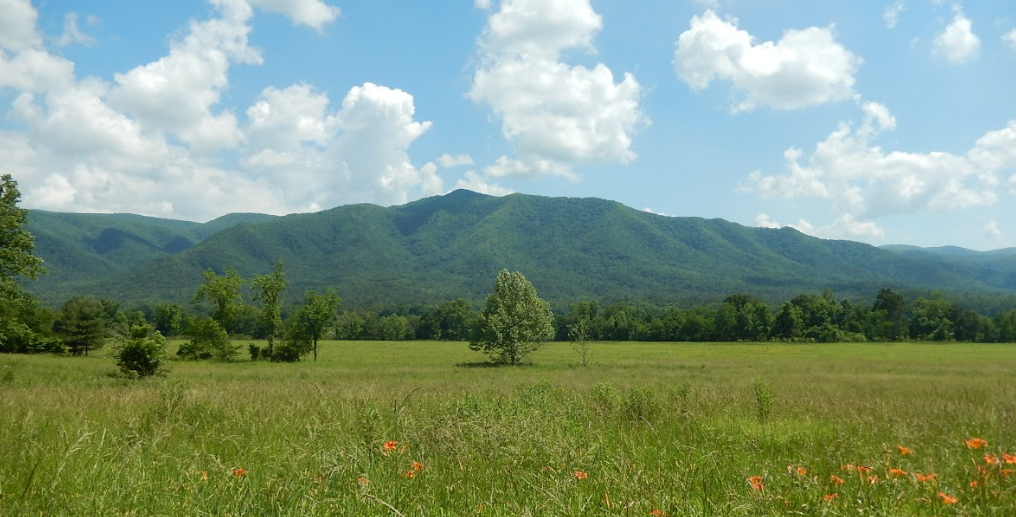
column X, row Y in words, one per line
column 873, row 480
column 756, row 483
column 946, row 499
column 903, row 450
column 411, row 474
column 836, row 479
column 658, row 513
column 417, row 466
column 861, row 469
column 580, row 475
column 991, row 459
column 830, row 497
column 238, row 472
column 801, row 471
column 847, row 468
column 975, row 443
column 921, row 478
column 898, row 472
column 973, row 483
column 1008, row 458
column 390, row 445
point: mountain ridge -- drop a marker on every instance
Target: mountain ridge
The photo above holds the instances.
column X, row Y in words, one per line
column 452, row 246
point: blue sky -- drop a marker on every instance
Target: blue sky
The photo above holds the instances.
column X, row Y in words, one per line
column 889, row 121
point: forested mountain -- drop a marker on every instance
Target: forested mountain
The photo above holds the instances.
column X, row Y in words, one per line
column 452, row 246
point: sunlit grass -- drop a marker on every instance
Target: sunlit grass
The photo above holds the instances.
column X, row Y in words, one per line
column 673, row 428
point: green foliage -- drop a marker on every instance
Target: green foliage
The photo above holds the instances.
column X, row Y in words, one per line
column 514, row 322
column 309, row 323
column 224, row 293
column 81, row 324
column 19, row 316
column 451, row 320
column 168, row 319
column 143, row 354
column 268, row 289
column 208, row 340
column 764, row 400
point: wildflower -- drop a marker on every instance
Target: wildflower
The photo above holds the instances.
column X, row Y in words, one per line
column 657, row 513
column 973, row 483
column 204, row 476
column 975, row 443
column 580, row 475
column 898, row 472
column 362, row 481
column 411, row 474
column 238, row 472
column 922, row 478
column 830, row 497
column 903, row 450
column 991, row 459
column 756, row 483
column 873, row 480
column 861, row 469
column 416, row 466
column 800, row 471
column 847, row 468
column 946, row 499
column 1008, row 458
column 836, row 479
column 389, row 446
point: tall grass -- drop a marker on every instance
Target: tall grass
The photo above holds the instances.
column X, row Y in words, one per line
column 673, row 428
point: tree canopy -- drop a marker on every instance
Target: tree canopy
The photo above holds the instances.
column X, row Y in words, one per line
column 514, row 321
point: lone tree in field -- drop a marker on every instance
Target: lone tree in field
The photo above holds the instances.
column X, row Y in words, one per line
column 309, row 324
column 81, row 325
column 514, row 321
column 16, row 259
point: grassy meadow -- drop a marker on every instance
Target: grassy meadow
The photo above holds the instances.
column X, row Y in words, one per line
column 424, row 428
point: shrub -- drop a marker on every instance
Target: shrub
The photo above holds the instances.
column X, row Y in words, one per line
column 143, row 353
column 208, row 340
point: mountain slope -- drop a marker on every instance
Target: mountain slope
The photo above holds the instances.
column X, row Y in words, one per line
column 450, row 246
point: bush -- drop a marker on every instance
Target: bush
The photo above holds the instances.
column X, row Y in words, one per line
column 208, row 340
column 143, row 353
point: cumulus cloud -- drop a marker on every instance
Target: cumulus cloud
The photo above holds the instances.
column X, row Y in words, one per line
column 17, row 25
column 861, row 181
column 555, row 115
column 72, row 34
column 473, row 181
column 458, row 160
column 312, row 13
column 1010, row 38
column 804, row 68
column 149, row 141
column 957, row 43
column 845, row 227
column 992, row 232
column 891, row 15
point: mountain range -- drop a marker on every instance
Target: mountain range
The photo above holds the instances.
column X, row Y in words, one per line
column 452, row 246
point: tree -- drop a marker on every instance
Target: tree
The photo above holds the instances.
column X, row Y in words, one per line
column 81, row 325
column 268, row 289
column 16, row 259
column 894, row 309
column 207, row 340
column 311, row 320
column 224, row 293
column 514, row 321
column 143, row 353
column 451, row 320
column 167, row 319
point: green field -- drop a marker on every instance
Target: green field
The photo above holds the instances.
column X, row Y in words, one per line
column 674, row 429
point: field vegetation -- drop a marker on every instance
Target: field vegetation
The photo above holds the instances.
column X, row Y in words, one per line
column 419, row 428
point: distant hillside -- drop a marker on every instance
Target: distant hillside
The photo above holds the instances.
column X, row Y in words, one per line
column 450, row 246
column 80, row 249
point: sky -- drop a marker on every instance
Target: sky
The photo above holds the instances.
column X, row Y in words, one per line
column 880, row 121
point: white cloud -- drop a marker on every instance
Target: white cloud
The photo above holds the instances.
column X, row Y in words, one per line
column 860, row 181
column 312, row 13
column 992, row 232
column 459, row 160
column 654, row 212
column 482, row 4
column 17, row 25
column 804, row 68
column 473, row 181
column 555, row 115
column 957, row 43
column 72, row 34
column 147, row 142
column 844, row 227
column 891, row 15
column 1010, row 38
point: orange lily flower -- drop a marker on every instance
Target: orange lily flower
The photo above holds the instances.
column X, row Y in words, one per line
column 756, row 483
column 946, row 499
column 830, row 497
column 580, row 475
column 903, row 450
column 975, row 443
column 836, row 479
column 898, row 472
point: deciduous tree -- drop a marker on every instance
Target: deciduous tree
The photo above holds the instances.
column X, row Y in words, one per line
column 514, row 321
